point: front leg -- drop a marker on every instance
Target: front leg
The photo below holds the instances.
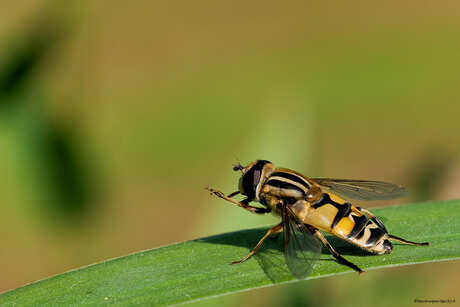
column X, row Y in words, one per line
column 243, row 204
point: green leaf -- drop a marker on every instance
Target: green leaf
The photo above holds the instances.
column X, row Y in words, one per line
column 200, row 269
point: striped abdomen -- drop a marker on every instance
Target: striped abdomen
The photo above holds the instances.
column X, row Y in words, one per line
column 369, row 234
column 349, row 223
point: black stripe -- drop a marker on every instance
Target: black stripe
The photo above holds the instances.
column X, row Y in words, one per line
column 344, row 210
column 284, row 185
column 324, row 200
column 292, row 177
column 360, row 234
column 360, row 223
column 379, row 223
column 376, row 234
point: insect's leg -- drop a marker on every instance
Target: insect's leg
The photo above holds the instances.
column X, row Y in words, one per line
column 275, row 229
column 275, row 235
column 233, row 194
column 392, row 237
column 380, row 224
column 243, row 204
column 337, row 256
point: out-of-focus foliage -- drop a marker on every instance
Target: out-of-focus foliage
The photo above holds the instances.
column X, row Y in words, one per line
column 52, row 150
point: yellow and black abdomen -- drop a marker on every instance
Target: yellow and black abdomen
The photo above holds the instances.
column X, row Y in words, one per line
column 340, row 218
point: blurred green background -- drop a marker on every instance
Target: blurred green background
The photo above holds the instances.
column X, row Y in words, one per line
column 115, row 116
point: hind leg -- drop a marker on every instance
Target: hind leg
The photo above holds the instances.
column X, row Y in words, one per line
column 336, row 255
column 404, row 241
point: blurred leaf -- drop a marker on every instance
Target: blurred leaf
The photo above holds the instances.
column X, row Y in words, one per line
column 56, row 156
column 23, row 60
column 200, row 269
column 428, row 172
column 65, row 170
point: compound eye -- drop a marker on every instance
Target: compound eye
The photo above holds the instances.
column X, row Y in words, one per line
column 256, row 177
column 249, row 181
column 241, row 186
column 251, row 176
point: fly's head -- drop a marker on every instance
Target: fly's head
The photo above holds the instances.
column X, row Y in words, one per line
column 253, row 177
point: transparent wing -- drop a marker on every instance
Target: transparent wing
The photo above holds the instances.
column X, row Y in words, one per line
column 301, row 248
column 362, row 189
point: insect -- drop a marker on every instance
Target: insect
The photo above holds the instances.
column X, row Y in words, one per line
column 308, row 206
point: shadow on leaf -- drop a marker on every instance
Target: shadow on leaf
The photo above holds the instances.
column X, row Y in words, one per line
column 271, row 254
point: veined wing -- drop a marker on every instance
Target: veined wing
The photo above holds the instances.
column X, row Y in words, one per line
column 362, row 189
column 301, row 248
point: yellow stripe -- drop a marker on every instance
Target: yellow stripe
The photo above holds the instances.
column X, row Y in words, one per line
column 301, row 186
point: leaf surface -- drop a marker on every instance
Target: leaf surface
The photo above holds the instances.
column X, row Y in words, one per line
column 200, row 269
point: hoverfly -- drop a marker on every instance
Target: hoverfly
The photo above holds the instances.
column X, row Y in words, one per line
column 308, row 206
